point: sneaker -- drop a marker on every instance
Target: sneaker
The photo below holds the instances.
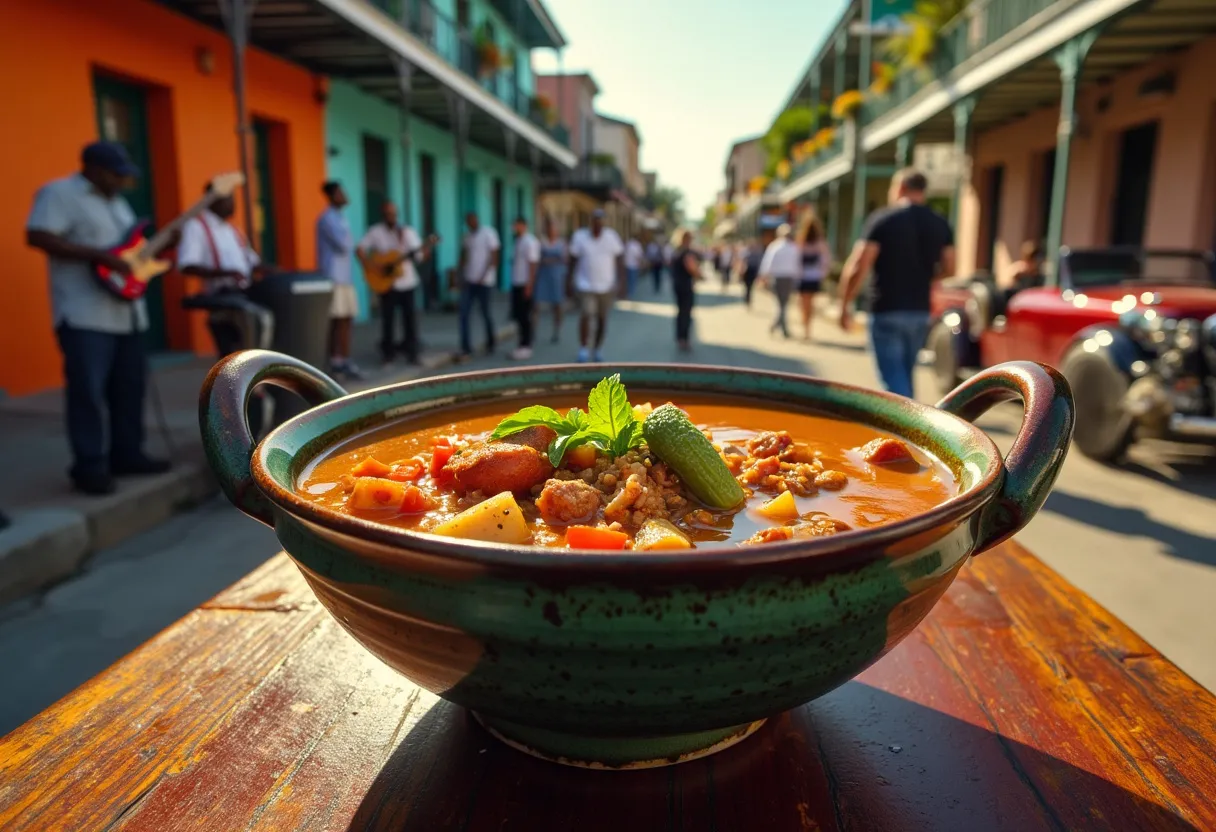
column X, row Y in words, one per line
column 584, row 355
column 95, row 485
column 521, row 353
column 598, row 357
column 352, row 371
column 140, row 466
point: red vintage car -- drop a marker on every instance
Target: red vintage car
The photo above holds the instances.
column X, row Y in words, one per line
column 1133, row 331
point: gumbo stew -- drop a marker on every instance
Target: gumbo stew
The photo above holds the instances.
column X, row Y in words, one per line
column 647, row 476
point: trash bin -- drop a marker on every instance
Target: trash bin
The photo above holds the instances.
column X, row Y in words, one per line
column 300, row 302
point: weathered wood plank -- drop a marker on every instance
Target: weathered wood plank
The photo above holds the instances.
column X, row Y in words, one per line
column 1019, row 704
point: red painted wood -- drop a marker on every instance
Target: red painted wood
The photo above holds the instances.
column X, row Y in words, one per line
column 1019, row 704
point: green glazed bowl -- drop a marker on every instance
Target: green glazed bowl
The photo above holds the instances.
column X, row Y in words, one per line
column 632, row 659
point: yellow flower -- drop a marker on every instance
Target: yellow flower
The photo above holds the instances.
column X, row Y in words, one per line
column 847, row 104
column 783, row 170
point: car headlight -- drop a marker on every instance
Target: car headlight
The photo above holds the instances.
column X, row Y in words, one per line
column 1160, row 334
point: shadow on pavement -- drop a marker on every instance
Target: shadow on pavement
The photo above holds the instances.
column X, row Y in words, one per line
column 1133, row 522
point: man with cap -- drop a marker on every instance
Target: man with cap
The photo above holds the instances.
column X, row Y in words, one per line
column 76, row 220
column 595, row 264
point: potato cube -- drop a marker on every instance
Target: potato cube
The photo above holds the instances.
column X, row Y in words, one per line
column 496, row 520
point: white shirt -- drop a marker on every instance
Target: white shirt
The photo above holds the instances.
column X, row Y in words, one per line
column 782, row 258
column 596, row 259
column 633, row 254
column 230, row 253
column 527, row 252
column 380, row 239
column 668, row 250
column 478, row 247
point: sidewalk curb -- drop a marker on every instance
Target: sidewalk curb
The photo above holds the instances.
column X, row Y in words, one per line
column 46, row 545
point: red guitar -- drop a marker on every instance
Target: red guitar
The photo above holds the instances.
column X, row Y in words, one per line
column 139, row 251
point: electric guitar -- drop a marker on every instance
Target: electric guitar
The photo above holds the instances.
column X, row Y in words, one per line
column 139, row 251
column 381, row 270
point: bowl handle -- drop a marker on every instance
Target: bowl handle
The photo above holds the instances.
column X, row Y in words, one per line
column 1038, row 451
column 223, row 419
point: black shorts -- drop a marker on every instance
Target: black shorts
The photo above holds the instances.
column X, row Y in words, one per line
column 808, row 287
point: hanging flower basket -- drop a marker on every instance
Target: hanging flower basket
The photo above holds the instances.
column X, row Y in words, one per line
column 489, row 59
column 542, row 105
column 823, row 138
column 847, row 104
column 884, row 77
column 757, row 184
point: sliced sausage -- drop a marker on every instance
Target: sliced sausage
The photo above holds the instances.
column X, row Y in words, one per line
column 496, row 467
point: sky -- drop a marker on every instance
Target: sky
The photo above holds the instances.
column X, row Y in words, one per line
column 693, row 75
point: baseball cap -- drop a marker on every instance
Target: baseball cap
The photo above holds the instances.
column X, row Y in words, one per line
column 597, row 214
column 110, row 156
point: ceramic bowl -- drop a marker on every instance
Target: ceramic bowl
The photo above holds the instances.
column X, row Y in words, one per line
column 632, row 659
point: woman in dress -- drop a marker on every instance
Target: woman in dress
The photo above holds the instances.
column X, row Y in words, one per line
column 551, row 274
column 816, row 260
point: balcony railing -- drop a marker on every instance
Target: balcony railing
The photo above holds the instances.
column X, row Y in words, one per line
column 458, row 46
column 589, row 173
column 981, row 24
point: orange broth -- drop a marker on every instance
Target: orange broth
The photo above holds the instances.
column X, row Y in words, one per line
column 874, row 493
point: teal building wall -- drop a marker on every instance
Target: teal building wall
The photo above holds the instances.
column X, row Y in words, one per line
column 351, row 114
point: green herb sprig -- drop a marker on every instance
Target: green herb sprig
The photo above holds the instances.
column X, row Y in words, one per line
column 608, row 423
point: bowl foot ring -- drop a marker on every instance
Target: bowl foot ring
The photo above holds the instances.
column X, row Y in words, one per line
column 615, row 753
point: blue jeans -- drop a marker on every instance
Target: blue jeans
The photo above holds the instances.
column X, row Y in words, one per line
column 631, row 282
column 104, row 376
column 896, row 338
column 469, row 295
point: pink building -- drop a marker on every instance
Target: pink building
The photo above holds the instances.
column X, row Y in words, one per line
column 573, row 96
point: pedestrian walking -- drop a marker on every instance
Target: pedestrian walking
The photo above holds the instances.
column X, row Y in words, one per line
column 391, row 246
column 753, row 254
column 479, row 254
column 724, row 260
column 780, row 268
column 595, row 264
column 334, row 249
column 551, row 276
column 525, row 260
column 76, row 221
column 685, row 271
column 907, row 246
column 816, row 261
column 634, row 257
column 654, row 256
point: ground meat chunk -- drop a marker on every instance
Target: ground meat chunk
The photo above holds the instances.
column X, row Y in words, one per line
column 618, row 508
column 495, row 467
column 885, row 451
column 773, row 535
column 831, row 480
column 768, row 443
column 536, row 437
column 762, row 468
column 819, row 525
column 562, row 502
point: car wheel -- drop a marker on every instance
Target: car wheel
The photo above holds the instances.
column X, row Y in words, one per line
column 1103, row 428
column 945, row 359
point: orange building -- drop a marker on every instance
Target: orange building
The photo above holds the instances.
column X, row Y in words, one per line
column 72, row 71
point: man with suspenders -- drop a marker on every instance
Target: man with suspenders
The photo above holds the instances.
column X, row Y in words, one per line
column 213, row 249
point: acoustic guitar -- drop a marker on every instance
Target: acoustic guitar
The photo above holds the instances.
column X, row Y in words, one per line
column 382, row 270
column 140, row 252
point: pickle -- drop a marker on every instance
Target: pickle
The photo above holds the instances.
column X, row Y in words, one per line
column 676, row 440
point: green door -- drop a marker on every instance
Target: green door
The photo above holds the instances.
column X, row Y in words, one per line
column 122, row 116
column 263, row 219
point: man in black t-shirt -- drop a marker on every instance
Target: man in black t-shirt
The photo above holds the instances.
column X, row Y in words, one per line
column 908, row 246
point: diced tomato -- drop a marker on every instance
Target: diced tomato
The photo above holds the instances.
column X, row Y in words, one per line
column 415, row 501
column 590, row 537
column 439, row 458
column 370, row 467
column 436, row 441
column 407, row 470
column 581, row 457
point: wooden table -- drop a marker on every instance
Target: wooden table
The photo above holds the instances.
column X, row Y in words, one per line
column 1019, row 704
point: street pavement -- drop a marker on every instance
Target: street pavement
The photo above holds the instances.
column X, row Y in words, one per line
column 1139, row 538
